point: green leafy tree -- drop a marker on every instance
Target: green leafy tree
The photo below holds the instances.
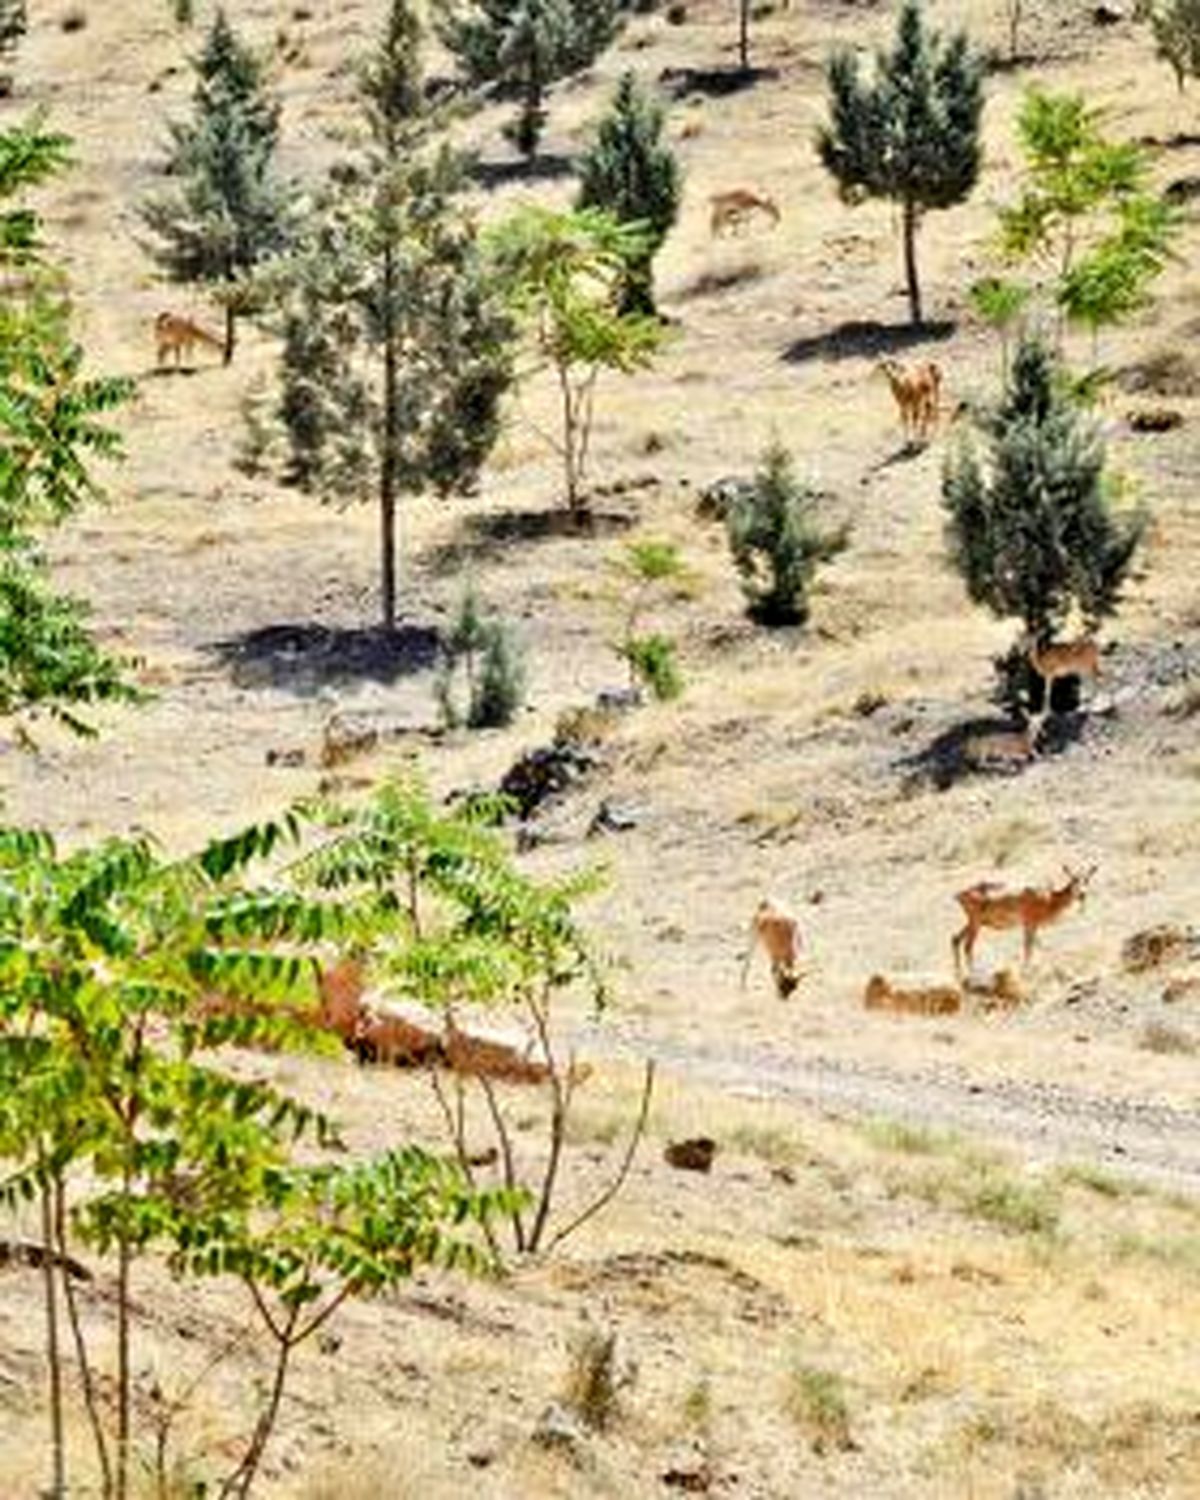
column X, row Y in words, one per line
column 119, row 1110
column 471, row 934
column 912, row 133
column 631, row 173
column 564, row 273
column 397, row 342
column 1033, row 532
column 1176, row 28
column 523, row 46
column 228, row 213
column 493, row 665
column 52, row 426
column 777, row 540
column 1085, row 217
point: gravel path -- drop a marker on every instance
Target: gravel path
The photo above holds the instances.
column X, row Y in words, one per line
column 1138, row 1138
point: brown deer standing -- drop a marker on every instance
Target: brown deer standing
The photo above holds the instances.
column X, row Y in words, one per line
column 918, row 395
column 173, row 334
column 1067, row 659
column 990, row 905
column 778, row 932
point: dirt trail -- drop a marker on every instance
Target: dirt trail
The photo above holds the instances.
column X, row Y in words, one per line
column 1154, row 1142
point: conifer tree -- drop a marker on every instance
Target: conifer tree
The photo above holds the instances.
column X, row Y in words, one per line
column 523, row 46
column 13, row 22
column 1176, row 28
column 1033, row 532
column 911, row 134
column 227, row 214
column 396, row 344
column 634, row 175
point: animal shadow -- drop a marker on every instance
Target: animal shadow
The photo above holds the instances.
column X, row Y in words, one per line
column 865, row 338
column 303, row 658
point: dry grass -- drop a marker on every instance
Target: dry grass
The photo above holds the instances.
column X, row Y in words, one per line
column 979, row 1327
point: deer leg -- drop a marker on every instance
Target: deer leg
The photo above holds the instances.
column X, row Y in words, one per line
column 961, row 939
column 1030, row 934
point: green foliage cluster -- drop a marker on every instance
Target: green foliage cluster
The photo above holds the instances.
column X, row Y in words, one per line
column 777, row 540
column 1034, row 534
column 630, row 172
column 1176, row 28
column 52, row 425
column 912, row 133
column 563, row 273
column 122, row 1115
column 227, row 211
column 651, row 656
column 397, row 340
column 492, row 663
column 521, row 47
column 1086, row 213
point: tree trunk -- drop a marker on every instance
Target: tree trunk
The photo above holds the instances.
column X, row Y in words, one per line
column 744, row 35
column 910, row 263
column 230, row 334
column 58, row 1486
column 389, row 465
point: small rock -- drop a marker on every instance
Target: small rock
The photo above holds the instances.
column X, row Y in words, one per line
column 694, row 1155
column 558, row 1427
column 1155, row 419
column 687, row 1468
column 285, row 757
column 481, row 1458
column 612, row 818
column 1107, row 15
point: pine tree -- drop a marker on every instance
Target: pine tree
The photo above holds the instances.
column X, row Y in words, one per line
column 632, row 173
column 1176, row 28
column 1033, row 533
column 228, row 213
column 397, row 345
column 911, row 135
column 777, row 542
column 523, row 46
column 13, row 23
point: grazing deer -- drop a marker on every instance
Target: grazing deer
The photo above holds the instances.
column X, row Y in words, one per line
column 778, row 931
column 734, row 208
column 918, row 395
column 1067, row 659
column 180, row 335
column 990, row 905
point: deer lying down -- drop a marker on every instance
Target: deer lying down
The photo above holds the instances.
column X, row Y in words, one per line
column 777, row 930
column 918, row 1000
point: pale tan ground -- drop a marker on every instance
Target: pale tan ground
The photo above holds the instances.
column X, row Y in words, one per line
column 978, row 1362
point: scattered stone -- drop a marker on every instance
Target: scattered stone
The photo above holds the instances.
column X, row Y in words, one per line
column 344, row 738
column 481, row 1458
column 694, row 1155
column 544, row 773
column 558, row 1427
column 285, row 757
column 687, row 1468
column 1157, row 945
column 1107, row 15
column 612, row 818
column 1155, row 419
column 1181, row 989
column 718, row 498
column 619, row 700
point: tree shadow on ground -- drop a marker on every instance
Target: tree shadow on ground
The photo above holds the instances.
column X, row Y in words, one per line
column 865, row 338
column 497, row 174
column 713, row 83
column 484, row 537
column 303, row 658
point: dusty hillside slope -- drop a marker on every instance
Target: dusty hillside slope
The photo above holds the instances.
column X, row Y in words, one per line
column 1058, row 1365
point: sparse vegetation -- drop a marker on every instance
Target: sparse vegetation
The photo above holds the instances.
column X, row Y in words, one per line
column 817, row 1403
column 1176, row 28
column 778, row 541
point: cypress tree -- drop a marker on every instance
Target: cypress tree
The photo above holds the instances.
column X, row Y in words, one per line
column 396, row 343
column 911, row 134
column 228, row 212
column 1033, row 533
column 13, row 22
column 523, row 46
column 632, row 173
